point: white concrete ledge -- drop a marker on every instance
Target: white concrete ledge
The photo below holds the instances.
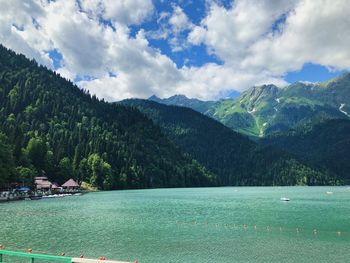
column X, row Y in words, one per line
column 86, row 260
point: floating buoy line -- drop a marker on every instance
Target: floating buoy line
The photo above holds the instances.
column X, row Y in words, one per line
column 261, row 229
column 245, row 227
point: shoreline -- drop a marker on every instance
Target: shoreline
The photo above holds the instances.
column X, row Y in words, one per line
column 10, row 197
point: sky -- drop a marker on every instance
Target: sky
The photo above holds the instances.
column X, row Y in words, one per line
column 204, row 49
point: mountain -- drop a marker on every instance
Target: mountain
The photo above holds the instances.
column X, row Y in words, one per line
column 267, row 109
column 48, row 126
column 183, row 101
column 234, row 158
column 325, row 144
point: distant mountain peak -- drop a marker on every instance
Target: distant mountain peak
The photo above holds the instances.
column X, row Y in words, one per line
column 179, row 96
column 183, row 101
column 154, row 97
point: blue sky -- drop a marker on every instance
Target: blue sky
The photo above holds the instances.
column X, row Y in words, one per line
column 204, row 49
column 313, row 73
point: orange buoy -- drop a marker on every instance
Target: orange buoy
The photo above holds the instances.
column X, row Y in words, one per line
column 102, row 258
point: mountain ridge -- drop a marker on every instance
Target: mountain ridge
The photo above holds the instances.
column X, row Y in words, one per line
column 266, row 109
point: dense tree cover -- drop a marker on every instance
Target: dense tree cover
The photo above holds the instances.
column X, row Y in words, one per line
column 233, row 157
column 6, row 160
column 50, row 127
column 325, row 144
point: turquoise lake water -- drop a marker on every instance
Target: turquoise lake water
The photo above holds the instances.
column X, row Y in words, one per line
column 228, row 224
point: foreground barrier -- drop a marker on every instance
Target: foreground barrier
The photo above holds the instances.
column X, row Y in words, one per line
column 33, row 258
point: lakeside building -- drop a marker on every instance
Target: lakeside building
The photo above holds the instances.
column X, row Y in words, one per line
column 71, row 185
column 56, row 187
column 42, row 183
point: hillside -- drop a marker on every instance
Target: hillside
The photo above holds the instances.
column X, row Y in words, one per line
column 233, row 157
column 267, row 109
column 48, row 126
column 183, row 101
column 326, row 144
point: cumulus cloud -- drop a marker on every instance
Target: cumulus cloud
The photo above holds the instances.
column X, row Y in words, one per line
column 273, row 37
column 319, row 37
column 257, row 41
column 126, row 12
column 173, row 27
column 228, row 33
column 179, row 20
column 19, row 31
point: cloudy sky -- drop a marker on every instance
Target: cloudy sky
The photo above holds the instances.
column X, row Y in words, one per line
column 201, row 48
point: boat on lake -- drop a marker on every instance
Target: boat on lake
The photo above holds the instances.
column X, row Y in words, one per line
column 285, row 199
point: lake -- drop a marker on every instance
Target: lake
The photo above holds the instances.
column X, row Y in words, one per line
column 227, row 224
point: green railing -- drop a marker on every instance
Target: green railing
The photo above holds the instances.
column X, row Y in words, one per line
column 31, row 257
column 36, row 258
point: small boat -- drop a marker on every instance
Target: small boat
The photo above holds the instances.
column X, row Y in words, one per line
column 329, row 193
column 285, row 199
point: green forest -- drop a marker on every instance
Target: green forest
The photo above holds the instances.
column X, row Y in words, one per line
column 233, row 157
column 325, row 143
column 50, row 127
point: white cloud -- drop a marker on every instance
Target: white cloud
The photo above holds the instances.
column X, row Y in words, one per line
column 172, row 27
column 316, row 32
column 313, row 32
column 141, row 71
column 126, row 12
column 179, row 20
column 228, row 33
column 18, row 31
column 240, row 36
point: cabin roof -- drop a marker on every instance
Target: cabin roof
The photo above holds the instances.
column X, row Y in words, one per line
column 70, row 183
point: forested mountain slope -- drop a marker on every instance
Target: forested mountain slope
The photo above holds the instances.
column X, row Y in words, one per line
column 326, row 144
column 50, row 127
column 233, row 157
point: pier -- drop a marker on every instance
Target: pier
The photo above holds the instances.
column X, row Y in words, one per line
column 37, row 258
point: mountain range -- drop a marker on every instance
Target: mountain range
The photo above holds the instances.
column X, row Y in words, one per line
column 264, row 110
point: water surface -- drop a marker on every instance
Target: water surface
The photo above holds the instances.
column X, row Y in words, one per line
column 230, row 224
